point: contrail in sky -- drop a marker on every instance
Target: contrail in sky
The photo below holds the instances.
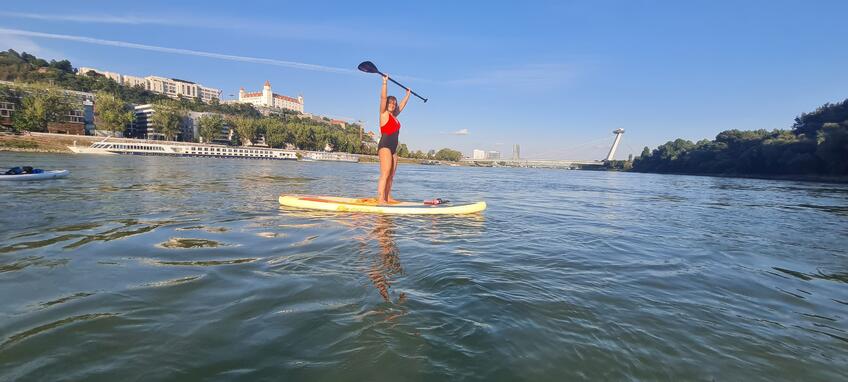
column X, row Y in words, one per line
column 188, row 52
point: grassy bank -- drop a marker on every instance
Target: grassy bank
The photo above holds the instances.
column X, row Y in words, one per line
column 42, row 143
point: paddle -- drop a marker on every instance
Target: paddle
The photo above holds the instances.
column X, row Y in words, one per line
column 369, row 67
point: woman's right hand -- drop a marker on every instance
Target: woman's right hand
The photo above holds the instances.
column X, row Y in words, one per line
column 385, row 78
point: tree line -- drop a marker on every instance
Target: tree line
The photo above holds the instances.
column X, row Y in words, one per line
column 817, row 144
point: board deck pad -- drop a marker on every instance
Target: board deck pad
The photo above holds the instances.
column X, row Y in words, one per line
column 370, row 205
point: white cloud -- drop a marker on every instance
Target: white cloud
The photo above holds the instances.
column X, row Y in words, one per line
column 460, row 132
column 320, row 31
column 89, row 18
column 188, row 52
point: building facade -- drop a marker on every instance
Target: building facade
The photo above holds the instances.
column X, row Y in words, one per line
column 78, row 120
column 268, row 99
column 478, row 154
column 142, row 126
column 171, row 87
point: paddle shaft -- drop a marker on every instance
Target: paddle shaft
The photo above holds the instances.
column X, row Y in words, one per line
column 404, row 87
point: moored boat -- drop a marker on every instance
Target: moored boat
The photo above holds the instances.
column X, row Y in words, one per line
column 184, row 149
column 51, row 174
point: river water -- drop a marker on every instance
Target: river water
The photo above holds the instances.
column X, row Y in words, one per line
column 153, row 268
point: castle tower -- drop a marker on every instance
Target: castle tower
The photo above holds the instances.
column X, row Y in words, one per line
column 618, row 133
column 241, row 94
column 267, row 96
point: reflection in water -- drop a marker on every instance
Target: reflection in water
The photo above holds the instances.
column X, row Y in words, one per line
column 387, row 264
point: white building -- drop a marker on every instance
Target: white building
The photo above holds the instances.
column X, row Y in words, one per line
column 269, row 99
column 478, row 154
column 170, row 87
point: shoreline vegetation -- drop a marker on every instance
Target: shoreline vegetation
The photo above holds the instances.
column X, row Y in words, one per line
column 815, row 148
column 38, row 96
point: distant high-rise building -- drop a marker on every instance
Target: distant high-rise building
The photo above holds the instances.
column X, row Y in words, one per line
column 493, row 155
column 516, row 152
column 478, row 154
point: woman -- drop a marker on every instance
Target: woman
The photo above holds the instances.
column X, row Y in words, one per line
column 387, row 148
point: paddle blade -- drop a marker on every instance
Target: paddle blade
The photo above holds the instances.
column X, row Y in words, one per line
column 368, row 67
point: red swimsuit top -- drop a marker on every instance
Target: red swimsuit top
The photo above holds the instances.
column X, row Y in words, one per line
column 392, row 126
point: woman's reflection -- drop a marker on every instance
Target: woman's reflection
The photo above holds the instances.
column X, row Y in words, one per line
column 387, row 264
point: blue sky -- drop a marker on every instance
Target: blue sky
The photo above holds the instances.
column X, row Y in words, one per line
column 555, row 77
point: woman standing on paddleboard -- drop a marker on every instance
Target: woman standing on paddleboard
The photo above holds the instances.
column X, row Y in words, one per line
column 387, row 148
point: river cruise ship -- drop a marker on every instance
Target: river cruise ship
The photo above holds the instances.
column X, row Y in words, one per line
column 182, row 149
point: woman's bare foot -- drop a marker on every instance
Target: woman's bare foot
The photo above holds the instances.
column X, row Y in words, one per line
column 393, row 201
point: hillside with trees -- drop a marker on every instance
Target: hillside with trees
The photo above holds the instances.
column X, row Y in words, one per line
column 817, row 144
column 38, row 100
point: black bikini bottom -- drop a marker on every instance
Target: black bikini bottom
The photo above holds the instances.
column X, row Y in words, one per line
column 389, row 141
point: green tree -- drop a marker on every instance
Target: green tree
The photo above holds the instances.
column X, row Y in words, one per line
column 277, row 133
column 40, row 106
column 111, row 113
column 209, row 126
column 403, row 151
column 448, row 155
column 833, row 147
column 246, row 128
column 167, row 119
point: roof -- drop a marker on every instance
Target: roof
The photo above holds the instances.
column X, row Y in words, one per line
column 267, row 83
column 287, row 98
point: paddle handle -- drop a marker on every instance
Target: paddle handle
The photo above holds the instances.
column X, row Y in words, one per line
column 404, row 87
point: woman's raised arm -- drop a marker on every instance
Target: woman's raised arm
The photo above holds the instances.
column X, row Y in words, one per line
column 403, row 101
column 383, row 95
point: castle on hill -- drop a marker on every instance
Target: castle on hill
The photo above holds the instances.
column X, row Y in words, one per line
column 269, row 99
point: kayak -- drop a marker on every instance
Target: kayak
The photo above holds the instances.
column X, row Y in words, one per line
column 339, row 204
column 52, row 174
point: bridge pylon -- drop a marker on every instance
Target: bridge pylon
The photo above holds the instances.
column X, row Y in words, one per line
column 618, row 133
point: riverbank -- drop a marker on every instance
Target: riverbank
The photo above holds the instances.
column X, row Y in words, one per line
column 43, row 143
column 58, row 143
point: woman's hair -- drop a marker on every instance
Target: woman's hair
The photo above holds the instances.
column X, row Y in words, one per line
column 390, row 99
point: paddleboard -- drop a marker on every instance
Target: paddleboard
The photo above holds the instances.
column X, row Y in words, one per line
column 53, row 174
column 339, row 204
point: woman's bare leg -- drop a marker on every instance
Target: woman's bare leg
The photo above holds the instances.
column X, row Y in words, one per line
column 385, row 173
column 391, row 179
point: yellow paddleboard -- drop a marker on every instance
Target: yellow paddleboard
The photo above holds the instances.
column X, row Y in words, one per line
column 337, row 204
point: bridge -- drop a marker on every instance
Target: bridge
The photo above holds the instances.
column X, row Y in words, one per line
column 542, row 163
